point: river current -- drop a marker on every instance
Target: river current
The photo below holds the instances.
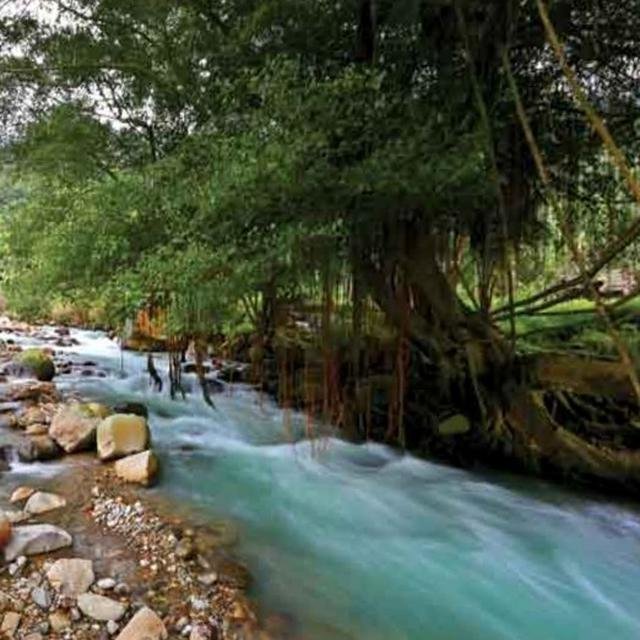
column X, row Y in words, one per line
column 361, row 542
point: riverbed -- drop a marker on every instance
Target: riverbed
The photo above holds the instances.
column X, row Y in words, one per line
column 360, row 542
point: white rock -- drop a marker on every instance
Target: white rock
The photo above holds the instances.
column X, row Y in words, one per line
column 32, row 539
column 106, row 584
column 71, row 576
column 41, row 502
column 100, row 608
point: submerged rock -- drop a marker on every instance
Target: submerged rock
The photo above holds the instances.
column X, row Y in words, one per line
column 120, row 435
column 141, row 468
column 33, row 539
column 145, row 624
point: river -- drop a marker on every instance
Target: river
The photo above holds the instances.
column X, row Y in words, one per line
column 360, row 542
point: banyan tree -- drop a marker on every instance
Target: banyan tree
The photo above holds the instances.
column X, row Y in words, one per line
column 359, row 168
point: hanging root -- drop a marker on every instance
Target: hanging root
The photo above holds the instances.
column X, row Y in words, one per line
column 153, row 372
column 202, row 379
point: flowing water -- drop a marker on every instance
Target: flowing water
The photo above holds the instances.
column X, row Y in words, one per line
column 359, row 542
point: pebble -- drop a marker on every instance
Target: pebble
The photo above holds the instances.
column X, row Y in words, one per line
column 106, row 584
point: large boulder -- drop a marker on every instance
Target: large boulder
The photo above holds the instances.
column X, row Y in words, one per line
column 74, row 426
column 122, row 434
column 145, row 624
column 42, row 502
column 33, row 363
column 101, row 608
column 71, row 576
column 33, row 539
column 38, row 448
column 141, row 468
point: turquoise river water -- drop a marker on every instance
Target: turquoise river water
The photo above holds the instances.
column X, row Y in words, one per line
column 360, row 542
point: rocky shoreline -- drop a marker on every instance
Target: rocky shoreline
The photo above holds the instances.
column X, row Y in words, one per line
column 87, row 551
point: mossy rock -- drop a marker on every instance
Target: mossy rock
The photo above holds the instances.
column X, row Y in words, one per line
column 454, row 426
column 36, row 363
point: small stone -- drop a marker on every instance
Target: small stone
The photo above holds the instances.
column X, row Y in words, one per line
column 71, row 576
column 10, row 624
column 200, row 632
column 100, row 608
column 59, row 621
column 41, row 597
column 21, row 494
column 112, row 627
column 145, row 624
column 16, row 517
column 182, row 623
column 106, row 584
column 207, row 579
column 122, row 589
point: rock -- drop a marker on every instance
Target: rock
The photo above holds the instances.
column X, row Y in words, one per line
column 37, row 429
column 112, row 628
column 185, row 549
column 455, row 425
column 59, row 621
column 16, row 517
column 141, row 468
column 200, row 632
column 33, row 363
column 32, row 415
column 122, row 434
column 5, row 530
column 41, row 502
column 101, row 608
column 21, row 493
column 32, row 539
column 74, row 426
column 106, row 584
column 39, row 448
column 10, row 624
column 145, row 624
column 35, row 391
column 41, row 597
column 71, row 576
column 135, row 408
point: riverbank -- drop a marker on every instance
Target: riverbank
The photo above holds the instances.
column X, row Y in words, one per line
column 132, row 567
